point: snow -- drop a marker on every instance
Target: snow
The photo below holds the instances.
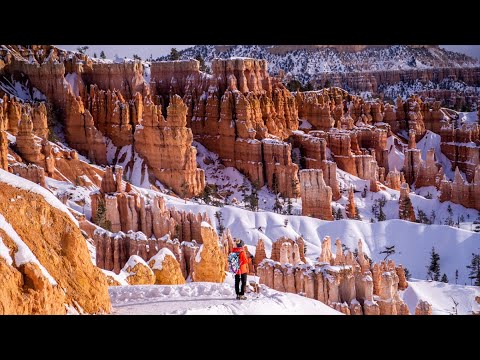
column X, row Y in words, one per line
column 202, row 298
column 159, row 258
column 72, row 80
column 306, row 64
column 120, row 277
column 206, row 225
column 396, row 158
column 413, row 241
column 198, row 256
column 29, row 186
column 432, row 140
column 440, row 295
column 305, row 125
column 468, row 117
column 21, row 91
column 132, row 262
column 24, row 254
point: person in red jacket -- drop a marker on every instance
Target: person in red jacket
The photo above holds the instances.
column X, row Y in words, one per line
column 241, row 274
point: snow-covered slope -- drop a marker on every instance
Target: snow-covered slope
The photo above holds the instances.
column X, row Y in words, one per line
column 202, row 298
column 305, row 63
column 441, row 296
column 413, row 241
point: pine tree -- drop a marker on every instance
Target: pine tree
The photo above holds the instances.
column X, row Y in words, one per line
column 201, row 60
column 102, row 55
column 101, row 216
column 364, row 192
column 449, row 210
column 295, row 189
column 339, row 214
column 220, row 227
column 174, row 54
column 389, row 250
column 357, row 213
column 285, row 222
column 381, row 215
column 289, row 206
column 407, row 273
column 184, row 191
column 456, row 276
column 95, row 55
column 433, row 216
column 434, row 267
column 474, row 267
column 82, row 49
column 444, row 278
column 136, row 57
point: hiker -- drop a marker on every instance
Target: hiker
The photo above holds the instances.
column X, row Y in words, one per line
column 242, row 272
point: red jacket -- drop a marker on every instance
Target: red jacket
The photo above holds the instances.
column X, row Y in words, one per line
column 243, row 260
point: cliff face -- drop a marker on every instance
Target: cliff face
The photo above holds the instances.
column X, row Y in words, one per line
column 239, row 112
column 166, row 144
column 47, row 254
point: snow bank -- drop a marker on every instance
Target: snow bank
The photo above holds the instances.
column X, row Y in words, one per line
column 23, row 184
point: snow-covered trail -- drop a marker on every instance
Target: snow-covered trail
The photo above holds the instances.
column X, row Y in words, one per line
column 209, row 298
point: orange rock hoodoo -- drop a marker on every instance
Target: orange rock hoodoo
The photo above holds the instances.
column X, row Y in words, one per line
column 316, row 195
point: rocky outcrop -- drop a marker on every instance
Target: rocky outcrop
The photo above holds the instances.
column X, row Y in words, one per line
column 56, row 272
column 80, row 130
column 461, row 146
column 166, row 144
column 27, row 146
column 343, row 282
column 291, row 250
column 316, row 195
column 394, row 179
column 259, row 253
column 461, row 192
column 423, row 308
column 351, row 208
column 429, row 173
column 166, row 268
column 413, row 159
column 232, row 111
column 210, row 260
column 114, row 249
column 30, row 172
column 125, row 209
column 137, row 272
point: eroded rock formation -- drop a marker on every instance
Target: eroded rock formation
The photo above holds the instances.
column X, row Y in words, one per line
column 166, row 268
column 316, row 195
column 349, row 285
column 210, row 260
column 126, row 209
column 46, row 235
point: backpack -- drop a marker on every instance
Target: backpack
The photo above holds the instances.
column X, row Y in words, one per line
column 234, row 262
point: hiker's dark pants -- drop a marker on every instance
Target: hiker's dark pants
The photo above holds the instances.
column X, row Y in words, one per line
column 243, row 277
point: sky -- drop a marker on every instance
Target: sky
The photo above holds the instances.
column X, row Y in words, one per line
column 144, row 51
